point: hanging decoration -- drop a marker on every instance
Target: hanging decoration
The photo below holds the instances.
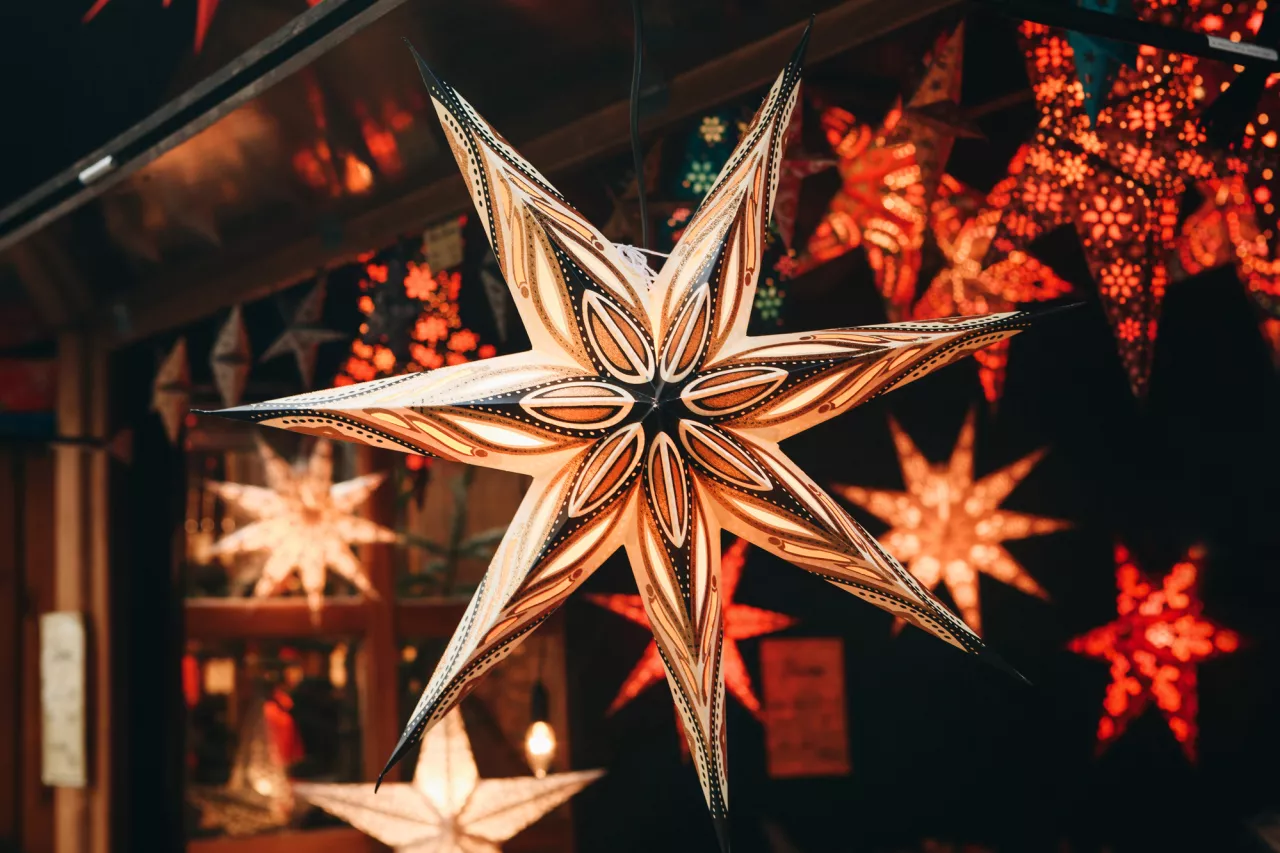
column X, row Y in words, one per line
column 230, row 358
column 647, row 419
column 741, row 622
column 972, row 282
column 623, row 225
column 447, row 808
column 888, row 178
column 1098, row 60
column 1154, row 648
column 1236, row 222
column 171, row 390
column 205, row 10
column 258, row 797
column 412, row 321
column 304, row 521
column 304, row 334
column 947, row 528
column 1118, row 180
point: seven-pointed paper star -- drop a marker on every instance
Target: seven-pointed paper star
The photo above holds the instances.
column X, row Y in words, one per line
column 1154, row 648
column 447, row 808
column 257, row 797
column 948, row 528
column 647, row 419
column 230, row 358
column 305, row 520
column 741, row 622
column 304, row 334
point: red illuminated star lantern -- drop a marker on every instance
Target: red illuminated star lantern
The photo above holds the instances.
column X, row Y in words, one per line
column 887, row 179
column 1118, row 182
column 1154, row 648
column 971, row 283
column 741, row 622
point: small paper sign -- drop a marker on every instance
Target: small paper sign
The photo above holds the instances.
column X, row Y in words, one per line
column 62, row 699
column 805, row 723
column 442, row 244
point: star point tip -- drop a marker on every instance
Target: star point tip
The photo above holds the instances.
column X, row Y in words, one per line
column 797, row 55
column 429, row 78
column 721, row 823
column 234, row 413
column 1001, row 664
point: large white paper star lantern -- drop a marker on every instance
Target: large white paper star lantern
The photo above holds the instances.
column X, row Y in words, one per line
column 647, row 419
column 447, row 808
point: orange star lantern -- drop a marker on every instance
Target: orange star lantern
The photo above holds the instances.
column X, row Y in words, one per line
column 969, row 284
column 1119, row 182
column 888, row 178
column 947, row 528
column 741, row 622
column 1154, row 648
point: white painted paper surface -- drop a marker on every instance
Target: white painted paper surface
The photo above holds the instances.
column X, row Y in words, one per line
column 62, row 700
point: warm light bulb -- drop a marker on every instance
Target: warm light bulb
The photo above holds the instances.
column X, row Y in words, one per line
column 540, row 747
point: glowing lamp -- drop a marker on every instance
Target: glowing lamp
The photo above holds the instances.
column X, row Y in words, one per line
column 540, row 739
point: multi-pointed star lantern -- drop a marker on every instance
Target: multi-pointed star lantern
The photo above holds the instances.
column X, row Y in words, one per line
column 974, row 283
column 1154, row 648
column 447, row 808
column 947, row 528
column 888, row 179
column 1118, row 180
column 741, row 622
column 647, row 419
column 257, row 797
column 305, row 521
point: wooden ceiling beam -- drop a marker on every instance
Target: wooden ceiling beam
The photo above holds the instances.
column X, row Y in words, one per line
column 183, row 295
column 58, row 291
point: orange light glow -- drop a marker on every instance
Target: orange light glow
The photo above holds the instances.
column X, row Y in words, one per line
column 887, row 177
column 1154, row 648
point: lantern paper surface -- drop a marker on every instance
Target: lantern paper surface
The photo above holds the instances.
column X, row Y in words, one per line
column 305, row 521
column 304, row 335
column 947, row 528
column 1154, row 648
column 171, row 390
column 447, row 808
column 257, row 797
column 647, row 419
column 741, row 622
column 230, row 358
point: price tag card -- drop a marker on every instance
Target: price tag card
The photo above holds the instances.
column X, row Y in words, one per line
column 805, row 725
column 62, row 699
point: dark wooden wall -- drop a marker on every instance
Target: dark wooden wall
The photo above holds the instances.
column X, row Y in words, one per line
column 26, row 590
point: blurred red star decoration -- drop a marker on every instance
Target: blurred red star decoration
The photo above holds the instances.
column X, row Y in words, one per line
column 1236, row 222
column 1154, row 647
column 888, row 177
column 741, row 622
column 1119, row 181
column 205, row 10
column 971, row 282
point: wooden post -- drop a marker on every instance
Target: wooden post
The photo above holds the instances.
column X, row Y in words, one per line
column 379, row 652
column 80, row 583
